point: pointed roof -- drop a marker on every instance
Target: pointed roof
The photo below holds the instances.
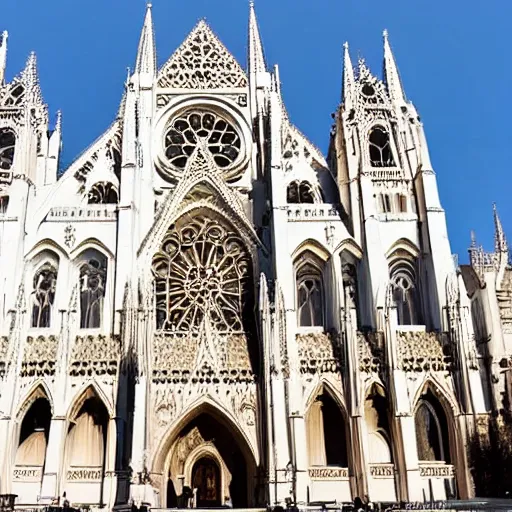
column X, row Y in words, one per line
column 391, row 75
column 30, row 77
column 3, row 55
column 256, row 58
column 146, row 54
column 202, row 62
column 500, row 242
column 348, row 75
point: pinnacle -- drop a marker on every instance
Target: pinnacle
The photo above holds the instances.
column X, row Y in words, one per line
column 385, row 33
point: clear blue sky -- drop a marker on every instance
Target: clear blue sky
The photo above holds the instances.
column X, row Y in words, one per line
column 453, row 57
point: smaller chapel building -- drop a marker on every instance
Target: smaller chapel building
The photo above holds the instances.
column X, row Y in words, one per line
column 202, row 308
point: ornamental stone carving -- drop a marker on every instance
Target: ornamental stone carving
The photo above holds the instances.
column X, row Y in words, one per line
column 328, row 473
column 424, row 351
column 370, row 347
column 437, row 470
column 95, row 355
column 183, row 357
column 27, row 474
column 319, row 352
column 4, row 347
column 40, row 356
column 202, row 62
column 382, row 470
column 84, row 474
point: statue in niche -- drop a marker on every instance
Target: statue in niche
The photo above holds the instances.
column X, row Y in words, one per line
column 350, row 285
column 45, row 282
column 93, row 274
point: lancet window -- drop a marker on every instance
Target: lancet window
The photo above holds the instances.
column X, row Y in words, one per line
column 326, row 433
column 7, row 147
column 404, row 288
column 35, row 430
column 93, row 277
column 202, row 274
column 103, row 192
column 43, row 294
column 431, row 430
column 4, row 202
column 309, row 282
column 380, row 148
column 302, row 192
column 86, row 443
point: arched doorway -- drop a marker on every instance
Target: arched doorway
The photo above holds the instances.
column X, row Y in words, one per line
column 326, row 431
column 86, row 446
column 31, row 452
column 211, row 460
column 206, row 483
column 433, row 444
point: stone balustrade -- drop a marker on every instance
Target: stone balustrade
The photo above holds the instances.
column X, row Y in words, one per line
column 420, row 351
column 82, row 213
column 320, row 352
column 313, row 212
column 328, row 473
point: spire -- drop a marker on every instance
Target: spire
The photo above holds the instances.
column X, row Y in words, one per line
column 3, row 55
column 500, row 242
column 348, row 76
column 391, row 76
column 30, row 78
column 256, row 57
column 146, row 54
column 58, row 122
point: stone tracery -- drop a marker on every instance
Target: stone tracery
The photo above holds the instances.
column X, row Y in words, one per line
column 202, row 272
column 45, row 282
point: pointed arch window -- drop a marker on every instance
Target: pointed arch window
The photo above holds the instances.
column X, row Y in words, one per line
column 43, row 294
column 301, row 192
column 326, row 433
column 7, row 147
column 431, row 430
column 93, row 277
column 103, row 192
column 310, row 293
column 380, row 148
column 405, row 292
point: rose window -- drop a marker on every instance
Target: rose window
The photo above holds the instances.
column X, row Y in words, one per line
column 201, row 271
column 219, row 136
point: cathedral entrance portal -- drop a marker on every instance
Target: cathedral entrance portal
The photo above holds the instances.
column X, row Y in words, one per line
column 206, row 482
column 211, row 461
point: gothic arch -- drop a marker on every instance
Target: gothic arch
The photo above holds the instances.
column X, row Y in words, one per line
column 39, row 389
column 91, row 243
column 351, row 247
column 402, row 245
column 46, row 245
column 313, row 246
column 208, row 405
column 324, row 384
column 89, row 390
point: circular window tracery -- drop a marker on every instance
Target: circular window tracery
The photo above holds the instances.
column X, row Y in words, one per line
column 219, row 135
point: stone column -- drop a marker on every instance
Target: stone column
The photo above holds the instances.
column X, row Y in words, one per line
column 54, row 464
column 110, row 480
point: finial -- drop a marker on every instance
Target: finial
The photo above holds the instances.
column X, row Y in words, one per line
column 149, row 5
column 385, row 33
column 345, row 45
column 58, row 123
column 128, row 75
column 473, row 239
column 251, row 4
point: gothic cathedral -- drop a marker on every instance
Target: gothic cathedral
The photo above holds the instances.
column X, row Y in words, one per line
column 203, row 309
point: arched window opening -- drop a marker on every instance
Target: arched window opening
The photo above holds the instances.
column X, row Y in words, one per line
column 376, row 416
column 401, row 203
column 301, row 192
column 405, row 293
column 380, row 148
column 326, row 433
column 206, row 479
column 4, row 203
column 34, row 433
column 431, row 430
column 15, row 96
column 43, row 294
column 87, row 436
column 103, row 192
column 93, row 278
column 7, row 147
column 203, row 274
column 310, row 300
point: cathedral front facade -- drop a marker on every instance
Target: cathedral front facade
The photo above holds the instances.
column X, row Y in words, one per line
column 203, row 306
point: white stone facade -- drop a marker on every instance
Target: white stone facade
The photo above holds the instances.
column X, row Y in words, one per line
column 203, row 300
